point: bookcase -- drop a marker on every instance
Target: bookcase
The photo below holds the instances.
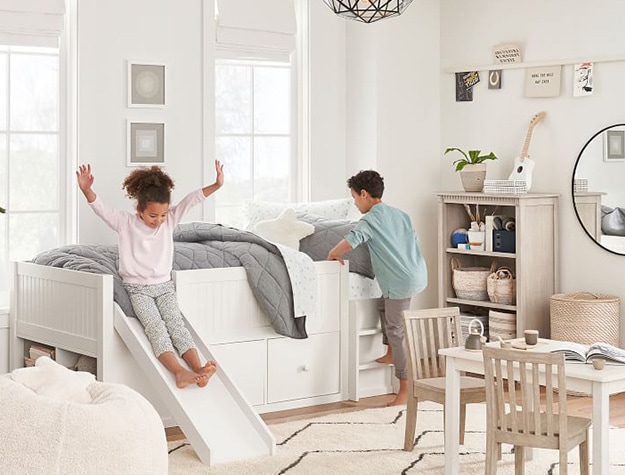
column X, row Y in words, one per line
column 534, row 262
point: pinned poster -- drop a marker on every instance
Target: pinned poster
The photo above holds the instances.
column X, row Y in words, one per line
column 582, row 79
column 463, row 93
column 494, row 79
column 543, row 81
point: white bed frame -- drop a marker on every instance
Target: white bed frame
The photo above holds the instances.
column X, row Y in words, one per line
column 259, row 370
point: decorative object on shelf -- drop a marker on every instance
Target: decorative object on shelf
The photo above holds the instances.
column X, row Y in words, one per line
column 507, row 53
column 512, row 187
column 501, row 286
column 580, row 185
column 582, row 79
column 146, row 84
column 501, row 325
column 523, row 164
column 543, row 81
column 368, row 11
column 585, row 317
column 470, row 282
column 472, row 168
column 459, row 236
column 146, row 143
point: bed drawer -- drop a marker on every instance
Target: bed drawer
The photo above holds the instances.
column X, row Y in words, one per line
column 303, row 368
column 245, row 363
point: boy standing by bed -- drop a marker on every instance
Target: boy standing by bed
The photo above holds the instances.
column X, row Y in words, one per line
column 396, row 260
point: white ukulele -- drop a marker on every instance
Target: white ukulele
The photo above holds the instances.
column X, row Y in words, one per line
column 523, row 164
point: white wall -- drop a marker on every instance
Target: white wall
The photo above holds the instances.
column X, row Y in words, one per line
column 393, row 116
column 497, row 120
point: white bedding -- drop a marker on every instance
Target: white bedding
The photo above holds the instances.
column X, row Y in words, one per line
column 361, row 287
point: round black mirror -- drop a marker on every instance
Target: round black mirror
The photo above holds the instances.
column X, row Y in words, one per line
column 598, row 188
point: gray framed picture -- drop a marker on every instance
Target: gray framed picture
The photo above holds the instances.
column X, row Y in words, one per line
column 146, row 84
column 146, row 143
column 614, row 146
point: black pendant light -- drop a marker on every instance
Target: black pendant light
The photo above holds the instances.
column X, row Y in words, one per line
column 368, row 11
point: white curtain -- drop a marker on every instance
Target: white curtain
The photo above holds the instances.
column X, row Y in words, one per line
column 31, row 22
column 256, row 27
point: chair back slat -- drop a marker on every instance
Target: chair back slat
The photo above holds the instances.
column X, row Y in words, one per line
column 520, row 414
column 427, row 331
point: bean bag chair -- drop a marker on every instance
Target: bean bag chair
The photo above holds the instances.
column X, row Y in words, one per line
column 57, row 421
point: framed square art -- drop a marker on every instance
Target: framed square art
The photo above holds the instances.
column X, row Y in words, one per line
column 146, row 143
column 614, row 146
column 146, row 84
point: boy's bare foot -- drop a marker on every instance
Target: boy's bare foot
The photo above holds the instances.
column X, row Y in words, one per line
column 185, row 378
column 207, row 370
column 400, row 400
column 387, row 358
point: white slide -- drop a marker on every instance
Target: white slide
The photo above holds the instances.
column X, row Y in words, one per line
column 219, row 423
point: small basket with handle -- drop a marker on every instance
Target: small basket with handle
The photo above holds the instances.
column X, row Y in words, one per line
column 470, row 282
column 501, row 286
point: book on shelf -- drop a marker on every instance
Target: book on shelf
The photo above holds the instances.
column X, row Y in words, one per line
column 586, row 353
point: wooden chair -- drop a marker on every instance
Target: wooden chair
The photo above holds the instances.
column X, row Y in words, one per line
column 515, row 416
column 427, row 331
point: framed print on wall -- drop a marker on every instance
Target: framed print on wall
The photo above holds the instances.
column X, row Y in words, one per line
column 146, row 143
column 614, row 146
column 146, row 84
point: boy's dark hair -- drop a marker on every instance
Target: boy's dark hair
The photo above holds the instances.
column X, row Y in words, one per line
column 148, row 185
column 368, row 180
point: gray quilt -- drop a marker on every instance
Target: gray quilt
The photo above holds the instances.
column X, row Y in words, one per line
column 199, row 246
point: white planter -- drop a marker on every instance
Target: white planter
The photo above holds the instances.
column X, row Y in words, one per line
column 473, row 176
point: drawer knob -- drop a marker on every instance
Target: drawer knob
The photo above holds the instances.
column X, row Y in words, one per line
column 306, row 367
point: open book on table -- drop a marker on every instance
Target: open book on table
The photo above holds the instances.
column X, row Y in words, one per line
column 585, row 353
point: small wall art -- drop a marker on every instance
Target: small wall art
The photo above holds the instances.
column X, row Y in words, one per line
column 146, row 143
column 582, row 79
column 543, row 81
column 614, row 146
column 146, row 84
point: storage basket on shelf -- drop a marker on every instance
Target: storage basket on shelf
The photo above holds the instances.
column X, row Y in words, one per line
column 501, row 324
column 585, row 317
column 470, row 282
column 501, row 286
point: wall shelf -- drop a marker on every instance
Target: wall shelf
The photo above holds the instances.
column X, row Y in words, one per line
column 532, row 64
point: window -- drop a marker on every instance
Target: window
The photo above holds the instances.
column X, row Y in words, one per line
column 255, row 139
column 29, row 155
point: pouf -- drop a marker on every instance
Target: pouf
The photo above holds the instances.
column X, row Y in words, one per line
column 117, row 431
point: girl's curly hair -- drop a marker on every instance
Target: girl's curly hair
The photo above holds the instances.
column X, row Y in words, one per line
column 148, row 185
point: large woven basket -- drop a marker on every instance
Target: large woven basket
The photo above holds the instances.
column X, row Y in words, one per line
column 585, row 317
column 470, row 282
column 501, row 324
column 501, row 286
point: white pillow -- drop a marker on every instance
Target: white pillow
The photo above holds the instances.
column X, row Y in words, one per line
column 285, row 229
column 257, row 211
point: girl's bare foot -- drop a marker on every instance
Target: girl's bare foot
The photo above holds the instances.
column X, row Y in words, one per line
column 185, row 377
column 207, row 370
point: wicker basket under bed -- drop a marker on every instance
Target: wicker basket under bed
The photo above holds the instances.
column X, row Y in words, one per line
column 585, row 317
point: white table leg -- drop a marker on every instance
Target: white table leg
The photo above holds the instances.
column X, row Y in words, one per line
column 600, row 429
column 452, row 417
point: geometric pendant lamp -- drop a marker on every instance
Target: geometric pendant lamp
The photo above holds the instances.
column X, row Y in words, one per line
column 367, row 11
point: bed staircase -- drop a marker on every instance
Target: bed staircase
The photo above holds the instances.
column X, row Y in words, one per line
column 219, row 423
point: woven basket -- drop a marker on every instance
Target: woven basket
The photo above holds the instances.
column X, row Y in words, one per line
column 501, row 324
column 501, row 286
column 470, row 282
column 585, row 318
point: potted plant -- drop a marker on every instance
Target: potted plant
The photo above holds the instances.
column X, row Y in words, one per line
column 472, row 167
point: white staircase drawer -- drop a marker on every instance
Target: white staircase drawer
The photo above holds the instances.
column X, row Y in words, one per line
column 303, row 368
column 246, row 364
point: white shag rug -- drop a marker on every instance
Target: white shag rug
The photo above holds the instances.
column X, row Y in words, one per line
column 369, row 442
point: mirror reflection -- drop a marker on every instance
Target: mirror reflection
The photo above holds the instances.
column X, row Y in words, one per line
column 598, row 191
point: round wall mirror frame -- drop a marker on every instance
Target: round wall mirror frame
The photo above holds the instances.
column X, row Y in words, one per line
column 598, row 188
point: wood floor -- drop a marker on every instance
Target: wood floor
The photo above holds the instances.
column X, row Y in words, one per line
column 577, row 405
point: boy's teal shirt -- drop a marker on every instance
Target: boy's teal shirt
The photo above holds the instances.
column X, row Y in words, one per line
column 396, row 256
